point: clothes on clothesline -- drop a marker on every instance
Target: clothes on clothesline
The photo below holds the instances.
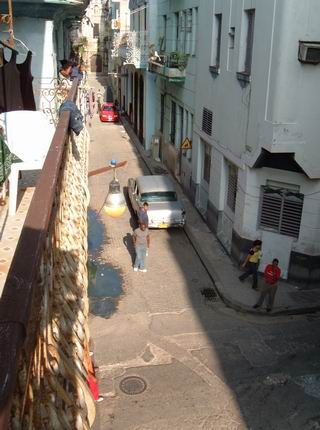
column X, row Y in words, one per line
column 16, row 90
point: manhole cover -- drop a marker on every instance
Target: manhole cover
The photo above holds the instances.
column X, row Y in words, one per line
column 160, row 171
column 133, row 385
column 209, row 294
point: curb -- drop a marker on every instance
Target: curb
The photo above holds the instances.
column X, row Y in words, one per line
column 226, row 299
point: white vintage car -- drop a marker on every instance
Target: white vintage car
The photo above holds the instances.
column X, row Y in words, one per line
column 165, row 210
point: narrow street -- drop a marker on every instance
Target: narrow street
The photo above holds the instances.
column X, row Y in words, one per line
column 203, row 366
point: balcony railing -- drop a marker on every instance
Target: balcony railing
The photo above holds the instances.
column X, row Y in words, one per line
column 171, row 67
column 44, row 343
column 131, row 47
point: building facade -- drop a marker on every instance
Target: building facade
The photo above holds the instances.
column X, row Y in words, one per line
column 254, row 130
column 239, row 80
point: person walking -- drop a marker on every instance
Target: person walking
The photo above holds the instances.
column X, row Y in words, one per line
column 143, row 214
column 252, row 263
column 272, row 275
column 99, row 100
column 141, row 240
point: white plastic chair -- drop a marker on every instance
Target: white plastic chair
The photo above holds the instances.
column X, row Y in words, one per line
column 28, row 135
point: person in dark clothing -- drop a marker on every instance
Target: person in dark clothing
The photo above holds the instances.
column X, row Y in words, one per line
column 143, row 214
column 252, row 263
column 272, row 275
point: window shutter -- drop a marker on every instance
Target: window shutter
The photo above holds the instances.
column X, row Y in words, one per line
column 271, row 210
column 291, row 216
column 207, row 117
column 281, row 211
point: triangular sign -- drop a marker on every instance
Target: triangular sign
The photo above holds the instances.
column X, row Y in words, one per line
column 186, row 144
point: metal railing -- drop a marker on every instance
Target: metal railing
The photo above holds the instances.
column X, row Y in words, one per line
column 173, row 60
column 44, row 340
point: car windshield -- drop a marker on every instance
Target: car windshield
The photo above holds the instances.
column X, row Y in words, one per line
column 108, row 109
column 159, row 196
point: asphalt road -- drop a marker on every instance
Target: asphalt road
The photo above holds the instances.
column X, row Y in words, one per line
column 204, row 366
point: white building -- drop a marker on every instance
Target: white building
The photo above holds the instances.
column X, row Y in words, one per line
column 256, row 171
column 249, row 101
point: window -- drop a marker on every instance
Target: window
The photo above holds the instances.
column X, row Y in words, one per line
column 207, row 163
column 173, row 122
column 248, row 43
column 232, row 33
column 217, row 40
column 281, row 210
column 162, row 113
column 232, row 186
column 159, row 196
column 163, row 38
column 207, row 121
column 181, row 135
column 177, row 31
column 96, row 30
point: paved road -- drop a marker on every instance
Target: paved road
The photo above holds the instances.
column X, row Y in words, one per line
column 206, row 366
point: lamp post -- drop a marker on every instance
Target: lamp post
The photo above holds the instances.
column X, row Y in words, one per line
column 114, row 204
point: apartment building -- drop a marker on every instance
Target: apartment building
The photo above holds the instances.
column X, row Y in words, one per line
column 239, row 79
column 255, row 169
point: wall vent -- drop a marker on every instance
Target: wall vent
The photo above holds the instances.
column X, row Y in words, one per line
column 207, row 118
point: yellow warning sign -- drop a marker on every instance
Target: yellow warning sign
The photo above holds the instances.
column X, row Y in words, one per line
column 186, row 144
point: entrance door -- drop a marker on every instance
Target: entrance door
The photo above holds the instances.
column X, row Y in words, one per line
column 141, row 110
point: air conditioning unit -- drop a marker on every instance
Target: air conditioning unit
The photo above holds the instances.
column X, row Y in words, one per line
column 309, row 52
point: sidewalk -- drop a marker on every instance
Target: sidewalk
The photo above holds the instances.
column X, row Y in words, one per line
column 289, row 300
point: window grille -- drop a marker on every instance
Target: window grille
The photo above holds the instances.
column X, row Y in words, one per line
column 232, row 186
column 281, row 211
column 207, row 118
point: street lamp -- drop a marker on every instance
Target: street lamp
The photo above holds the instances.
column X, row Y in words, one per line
column 114, row 204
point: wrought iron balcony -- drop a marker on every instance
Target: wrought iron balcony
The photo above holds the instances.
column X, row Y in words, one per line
column 131, row 47
column 171, row 67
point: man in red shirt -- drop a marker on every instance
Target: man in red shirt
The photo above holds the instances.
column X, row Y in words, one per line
column 271, row 277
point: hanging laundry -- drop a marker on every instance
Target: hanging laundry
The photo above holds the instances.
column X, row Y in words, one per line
column 26, row 87
column 10, row 89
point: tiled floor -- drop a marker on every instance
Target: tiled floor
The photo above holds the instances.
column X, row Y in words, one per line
column 10, row 229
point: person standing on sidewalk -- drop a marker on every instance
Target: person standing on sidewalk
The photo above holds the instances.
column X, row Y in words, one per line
column 252, row 263
column 141, row 240
column 272, row 275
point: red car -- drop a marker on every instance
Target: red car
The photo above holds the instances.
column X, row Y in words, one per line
column 109, row 113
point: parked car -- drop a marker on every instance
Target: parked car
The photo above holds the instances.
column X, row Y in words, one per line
column 165, row 209
column 109, row 113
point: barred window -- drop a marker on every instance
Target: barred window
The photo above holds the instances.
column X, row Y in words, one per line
column 232, row 186
column 207, row 117
column 281, row 211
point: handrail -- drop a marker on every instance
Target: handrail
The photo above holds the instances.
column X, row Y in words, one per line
column 19, row 290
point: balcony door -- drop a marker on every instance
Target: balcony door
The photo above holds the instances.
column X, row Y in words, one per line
column 141, row 108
